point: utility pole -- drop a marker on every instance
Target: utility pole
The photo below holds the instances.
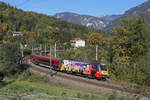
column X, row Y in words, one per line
column 50, row 56
column 21, row 47
column 32, row 48
column 55, row 50
column 40, row 49
column 96, row 53
column 45, row 49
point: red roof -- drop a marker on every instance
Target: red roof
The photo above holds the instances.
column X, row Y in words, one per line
column 76, row 39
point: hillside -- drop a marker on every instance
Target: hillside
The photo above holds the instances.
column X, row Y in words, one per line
column 40, row 28
column 109, row 17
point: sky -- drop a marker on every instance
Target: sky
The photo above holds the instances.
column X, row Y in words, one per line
column 84, row 7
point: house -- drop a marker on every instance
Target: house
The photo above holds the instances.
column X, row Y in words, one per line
column 17, row 33
column 77, row 42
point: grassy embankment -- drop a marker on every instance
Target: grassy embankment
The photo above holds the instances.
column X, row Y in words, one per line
column 31, row 87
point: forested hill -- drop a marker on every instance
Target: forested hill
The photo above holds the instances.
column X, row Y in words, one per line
column 40, row 27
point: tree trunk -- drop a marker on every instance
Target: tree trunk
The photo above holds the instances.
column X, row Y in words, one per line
column 1, row 77
column 96, row 52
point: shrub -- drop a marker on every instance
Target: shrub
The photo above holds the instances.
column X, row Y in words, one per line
column 113, row 96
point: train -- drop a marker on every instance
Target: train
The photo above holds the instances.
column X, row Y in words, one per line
column 94, row 70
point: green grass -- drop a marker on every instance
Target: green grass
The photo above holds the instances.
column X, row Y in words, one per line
column 20, row 87
column 33, row 86
column 39, row 87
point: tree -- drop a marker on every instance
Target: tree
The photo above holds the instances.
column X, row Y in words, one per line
column 95, row 39
column 131, row 43
column 10, row 58
column 4, row 28
column 131, row 38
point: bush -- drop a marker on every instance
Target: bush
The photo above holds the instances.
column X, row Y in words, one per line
column 27, row 52
column 78, row 95
column 26, row 74
column 10, row 59
column 113, row 96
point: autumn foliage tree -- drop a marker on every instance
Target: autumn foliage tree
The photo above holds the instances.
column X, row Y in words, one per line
column 95, row 39
column 131, row 38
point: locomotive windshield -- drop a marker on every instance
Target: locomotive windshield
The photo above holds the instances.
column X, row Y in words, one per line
column 103, row 67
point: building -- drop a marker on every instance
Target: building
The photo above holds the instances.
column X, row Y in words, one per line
column 17, row 33
column 77, row 42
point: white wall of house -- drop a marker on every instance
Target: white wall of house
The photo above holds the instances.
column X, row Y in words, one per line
column 78, row 43
column 17, row 35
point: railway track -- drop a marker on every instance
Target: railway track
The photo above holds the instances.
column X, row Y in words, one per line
column 123, row 89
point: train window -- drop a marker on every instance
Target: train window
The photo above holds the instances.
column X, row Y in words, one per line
column 32, row 57
column 37, row 53
column 44, row 60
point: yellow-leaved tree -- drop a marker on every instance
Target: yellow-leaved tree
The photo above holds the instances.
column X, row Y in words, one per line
column 95, row 39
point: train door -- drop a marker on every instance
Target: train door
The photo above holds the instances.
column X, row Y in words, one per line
column 93, row 70
column 98, row 73
column 65, row 65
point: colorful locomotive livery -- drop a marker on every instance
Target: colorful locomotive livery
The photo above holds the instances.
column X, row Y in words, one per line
column 93, row 70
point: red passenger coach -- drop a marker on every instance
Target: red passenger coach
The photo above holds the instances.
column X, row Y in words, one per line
column 46, row 61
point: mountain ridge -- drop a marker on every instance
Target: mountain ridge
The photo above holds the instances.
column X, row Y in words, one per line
column 87, row 20
column 106, row 22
